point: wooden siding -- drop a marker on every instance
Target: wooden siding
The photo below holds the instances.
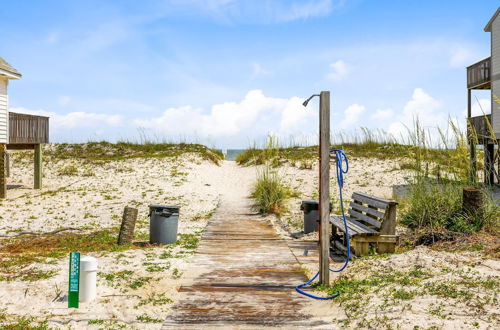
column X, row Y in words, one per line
column 28, row 129
column 495, row 74
column 478, row 74
column 4, row 128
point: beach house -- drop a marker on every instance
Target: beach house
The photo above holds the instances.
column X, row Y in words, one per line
column 485, row 129
column 18, row 131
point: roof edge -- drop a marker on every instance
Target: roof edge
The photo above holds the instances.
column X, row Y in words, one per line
column 487, row 28
column 10, row 74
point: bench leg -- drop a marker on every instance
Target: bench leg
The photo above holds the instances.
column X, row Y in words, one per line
column 386, row 247
column 361, row 248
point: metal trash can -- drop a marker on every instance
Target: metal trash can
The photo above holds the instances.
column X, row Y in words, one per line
column 163, row 224
column 311, row 215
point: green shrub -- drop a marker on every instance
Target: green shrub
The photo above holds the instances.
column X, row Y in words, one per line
column 440, row 174
column 270, row 193
column 438, row 206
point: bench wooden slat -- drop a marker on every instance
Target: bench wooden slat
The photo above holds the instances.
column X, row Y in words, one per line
column 367, row 199
column 363, row 217
column 355, row 228
column 371, row 220
column 361, row 208
column 338, row 222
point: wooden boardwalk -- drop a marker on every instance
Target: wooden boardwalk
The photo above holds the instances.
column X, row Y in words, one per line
column 243, row 276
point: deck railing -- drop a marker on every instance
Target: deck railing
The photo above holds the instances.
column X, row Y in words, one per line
column 478, row 74
column 481, row 126
column 28, row 129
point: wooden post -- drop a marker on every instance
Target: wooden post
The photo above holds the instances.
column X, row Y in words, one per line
column 324, row 187
column 489, row 163
column 469, row 103
column 472, row 140
column 473, row 161
column 38, row 166
column 3, row 179
column 472, row 201
column 128, row 225
column 7, row 164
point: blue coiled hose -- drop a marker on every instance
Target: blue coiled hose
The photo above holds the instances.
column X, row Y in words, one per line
column 341, row 160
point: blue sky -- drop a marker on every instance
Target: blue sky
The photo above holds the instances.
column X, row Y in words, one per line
column 228, row 72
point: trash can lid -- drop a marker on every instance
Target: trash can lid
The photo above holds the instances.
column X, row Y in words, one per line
column 88, row 264
column 309, row 205
column 169, row 208
column 310, row 202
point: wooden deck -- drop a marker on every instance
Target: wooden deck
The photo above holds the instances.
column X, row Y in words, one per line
column 27, row 130
column 479, row 75
column 243, row 275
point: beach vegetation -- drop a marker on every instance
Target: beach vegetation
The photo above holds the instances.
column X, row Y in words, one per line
column 107, row 151
column 17, row 254
column 145, row 318
column 434, row 201
column 270, row 192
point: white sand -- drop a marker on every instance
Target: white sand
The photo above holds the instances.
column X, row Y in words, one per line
column 96, row 202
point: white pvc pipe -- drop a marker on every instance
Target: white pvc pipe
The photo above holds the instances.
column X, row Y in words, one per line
column 88, row 277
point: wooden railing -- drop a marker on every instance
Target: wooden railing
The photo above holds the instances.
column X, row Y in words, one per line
column 481, row 126
column 479, row 75
column 28, row 129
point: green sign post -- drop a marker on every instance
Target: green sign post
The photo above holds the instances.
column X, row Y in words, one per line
column 74, row 279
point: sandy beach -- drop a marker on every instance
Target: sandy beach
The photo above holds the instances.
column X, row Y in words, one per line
column 137, row 287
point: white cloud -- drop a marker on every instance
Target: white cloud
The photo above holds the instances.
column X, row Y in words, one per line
column 421, row 106
column 481, row 108
column 74, row 120
column 294, row 116
column 351, row 115
column 338, row 70
column 383, row 114
column 232, row 123
column 304, row 10
column 254, row 116
column 269, row 11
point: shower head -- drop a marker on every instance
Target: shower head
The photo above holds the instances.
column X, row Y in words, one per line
column 309, row 99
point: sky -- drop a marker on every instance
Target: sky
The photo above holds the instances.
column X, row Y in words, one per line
column 227, row 73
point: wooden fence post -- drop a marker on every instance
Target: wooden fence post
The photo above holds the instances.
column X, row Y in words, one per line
column 128, row 225
column 38, row 166
column 3, row 180
column 324, row 186
column 472, row 201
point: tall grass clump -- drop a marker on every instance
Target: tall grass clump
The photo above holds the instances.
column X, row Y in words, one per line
column 269, row 191
column 441, row 171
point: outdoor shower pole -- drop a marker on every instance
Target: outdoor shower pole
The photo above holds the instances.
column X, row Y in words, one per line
column 324, row 187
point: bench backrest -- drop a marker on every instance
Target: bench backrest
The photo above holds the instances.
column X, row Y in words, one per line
column 375, row 212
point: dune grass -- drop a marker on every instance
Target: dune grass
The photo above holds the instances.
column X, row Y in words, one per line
column 360, row 143
column 126, row 150
column 17, row 254
column 437, row 160
column 434, row 203
column 270, row 193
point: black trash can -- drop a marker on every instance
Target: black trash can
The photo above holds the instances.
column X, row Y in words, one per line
column 311, row 215
column 164, row 221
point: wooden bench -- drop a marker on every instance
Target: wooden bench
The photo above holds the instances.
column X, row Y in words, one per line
column 370, row 220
